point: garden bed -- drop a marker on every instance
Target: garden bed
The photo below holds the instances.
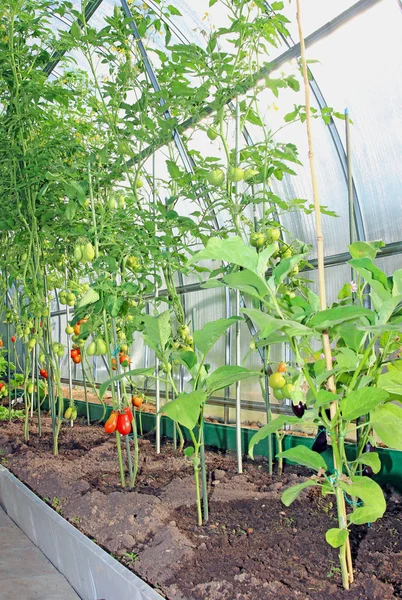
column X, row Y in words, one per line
column 252, row 547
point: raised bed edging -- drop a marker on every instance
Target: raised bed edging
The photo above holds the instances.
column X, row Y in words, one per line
column 92, row 572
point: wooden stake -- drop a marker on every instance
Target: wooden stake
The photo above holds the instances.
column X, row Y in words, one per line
column 321, row 279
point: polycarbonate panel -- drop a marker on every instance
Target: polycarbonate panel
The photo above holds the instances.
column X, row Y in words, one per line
column 314, row 14
column 360, row 68
column 331, row 181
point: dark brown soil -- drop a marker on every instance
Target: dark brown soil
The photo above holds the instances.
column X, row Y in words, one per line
column 252, row 548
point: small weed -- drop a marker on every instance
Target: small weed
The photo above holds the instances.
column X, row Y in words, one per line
column 130, row 557
column 75, row 520
column 334, row 570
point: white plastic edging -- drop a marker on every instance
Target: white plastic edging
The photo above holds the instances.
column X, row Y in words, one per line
column 91, row 571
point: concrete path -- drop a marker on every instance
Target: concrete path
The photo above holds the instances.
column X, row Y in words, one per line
column 25, row 573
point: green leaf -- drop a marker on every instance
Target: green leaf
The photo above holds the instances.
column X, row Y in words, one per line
column 376, row 278
column 173, row 169
column 291, row 493
column 232, row 250
column 324, row 397
column 185, row 409
column 226, row 376
column 90, row 297
column 334, row 316
column 248, row 282
column 75, row 30
column 304, row 456
column 189, row 451
column 387, row 424
column 371, row 459
column 361, row 402
column 266, row 430
column 113, row 304
column 351, row 336
column 365, row 249
column 387, row 309
column 282, row 270
column 391, row 381
column 207, row 337
column 267, row 324
column 134, row 373
column 186, row 357
column 372, row 496
column 263, row 259
column 158, row 329
column 336, row 537
column 397, row 283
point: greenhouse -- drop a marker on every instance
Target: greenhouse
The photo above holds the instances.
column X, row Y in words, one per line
column 201, row 287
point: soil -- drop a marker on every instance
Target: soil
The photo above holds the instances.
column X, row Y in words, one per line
column 253, row 547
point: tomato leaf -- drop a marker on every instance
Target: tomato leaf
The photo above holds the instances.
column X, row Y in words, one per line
column 134, row 373
column 232, row 250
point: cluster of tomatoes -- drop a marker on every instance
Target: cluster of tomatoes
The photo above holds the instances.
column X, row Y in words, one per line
column 283, row 389
column 124, row 359
column 43, row 373
column 119, row 421
column 3, row 389
column 75, row 355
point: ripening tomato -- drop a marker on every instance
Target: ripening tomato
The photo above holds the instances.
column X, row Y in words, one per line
column 77, row 329
column 137, row 401
column 282, row 367
column 1, row 343
column 123, row 424
column 111, row 423
column 124, row 360
column 128, row 412
column 75, row 352
column 77, row 359
column 1, row 385
column 114, row 364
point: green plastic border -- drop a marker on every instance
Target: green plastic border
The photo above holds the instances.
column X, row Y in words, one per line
column 223, row 437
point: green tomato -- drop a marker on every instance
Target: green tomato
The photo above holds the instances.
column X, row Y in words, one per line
column 212, row 134
column 55, row 347
column 276, row 381
column 123, row 347
column 60, row 351
column 88, row 253
column 273, row 234
column 69, row 330
column 63, row 298
column 278, row 394
column 74, row 414
column 288, row 390
column 70, row 303
column 216, row 177
column 112, row 204
column 139, row 184
column 121, row 335
column 30, row 388
column 236, row 174
column 184, row 331
column 42, row 358
column 101, row 347
column 24, row 257
column 32, row 343
column 294, row 271
column 68, row 413
column 257, row 239
column 91, row 349
column 187, row 349
column 189, row 341
column 286, row 253
column 250, row 174
column 78, row 253
column 80, row 343
column 121, row 202
column 70, row 297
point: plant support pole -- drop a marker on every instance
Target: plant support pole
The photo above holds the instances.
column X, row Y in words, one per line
column 344, row 550
column 157, row 384
column 239, row 449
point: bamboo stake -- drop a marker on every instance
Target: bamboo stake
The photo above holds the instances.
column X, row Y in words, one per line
column 157, row 384
column 344, row 551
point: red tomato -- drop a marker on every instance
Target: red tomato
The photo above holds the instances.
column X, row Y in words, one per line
column 77, row 359
column 75, row 352
column 111, row 423
column 44, row 373
column 13, row 339
column 123, row 424
column 1, row 385
column 1, row 343
column 128, row 412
